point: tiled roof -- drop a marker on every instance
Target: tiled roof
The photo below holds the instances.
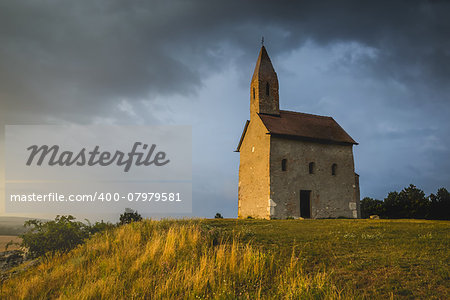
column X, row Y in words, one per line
column 291, row 124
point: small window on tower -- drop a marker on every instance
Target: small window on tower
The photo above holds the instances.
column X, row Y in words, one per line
column 311, row 167
column 253, row 93
column 333, row 169
column 267, row 88
column 284, row 165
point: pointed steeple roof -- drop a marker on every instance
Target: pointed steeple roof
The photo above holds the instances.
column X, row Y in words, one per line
column 263, row 68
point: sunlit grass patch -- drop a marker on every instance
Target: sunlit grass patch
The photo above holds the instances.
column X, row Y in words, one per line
column 171, row 260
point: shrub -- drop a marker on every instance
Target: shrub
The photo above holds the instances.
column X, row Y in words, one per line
column 99, row 226
column 60, row 235
column 218, row 216
column 129, row 216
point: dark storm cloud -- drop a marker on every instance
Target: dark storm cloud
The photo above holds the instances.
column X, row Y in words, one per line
column 388, row 84
column 78, row 57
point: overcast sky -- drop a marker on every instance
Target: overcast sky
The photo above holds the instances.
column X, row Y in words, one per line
column 381, row 70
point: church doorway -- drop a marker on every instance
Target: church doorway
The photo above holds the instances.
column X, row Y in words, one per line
column 305, row 204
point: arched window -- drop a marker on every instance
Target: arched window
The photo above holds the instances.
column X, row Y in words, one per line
column 333, row 169
column 284, row 164
column 253, row 93
column 311, row 167
column 267, row 88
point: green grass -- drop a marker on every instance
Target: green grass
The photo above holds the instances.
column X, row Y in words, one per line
column 228, row 259
column 375, row 258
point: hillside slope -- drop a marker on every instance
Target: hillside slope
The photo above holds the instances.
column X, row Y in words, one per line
column 249, row 259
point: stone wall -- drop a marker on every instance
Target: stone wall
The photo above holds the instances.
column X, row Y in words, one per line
column 331, row 195
column 254, row 187
column 357, row 197
column 260, row 102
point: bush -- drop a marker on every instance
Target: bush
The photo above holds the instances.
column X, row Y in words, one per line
column 62, row 234
column 99, row 226
column 129, row 216
column 218, row 216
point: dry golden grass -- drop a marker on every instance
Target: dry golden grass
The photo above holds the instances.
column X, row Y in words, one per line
column 169, row 260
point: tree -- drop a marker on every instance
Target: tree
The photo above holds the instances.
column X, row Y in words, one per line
column 370, row 206
column 129, row 216
column 440, row 205
column 218, row 216
column 409, row 203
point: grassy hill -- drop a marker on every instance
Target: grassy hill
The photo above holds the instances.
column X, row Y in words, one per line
column 229, row 259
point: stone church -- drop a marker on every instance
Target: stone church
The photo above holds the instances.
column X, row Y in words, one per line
column 293, row 164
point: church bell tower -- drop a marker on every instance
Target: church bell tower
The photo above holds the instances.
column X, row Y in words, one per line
column 264, row 87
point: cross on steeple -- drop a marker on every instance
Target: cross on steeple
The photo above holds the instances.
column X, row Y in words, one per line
column 262, row 41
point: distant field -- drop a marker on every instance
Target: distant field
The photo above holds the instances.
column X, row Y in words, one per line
column 5, row 239
column 12, row 225
column 228, row 259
